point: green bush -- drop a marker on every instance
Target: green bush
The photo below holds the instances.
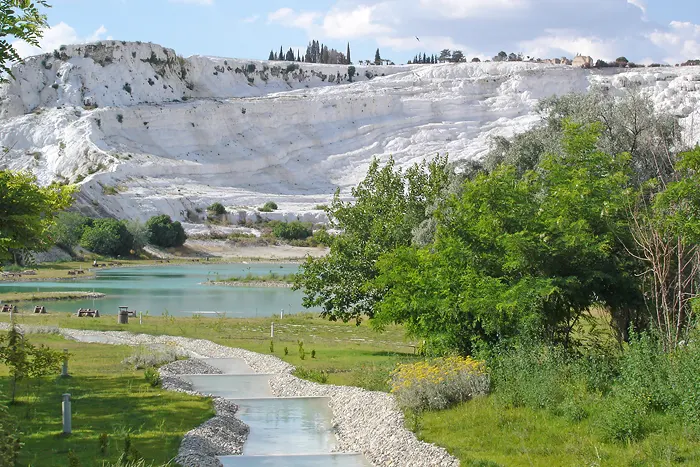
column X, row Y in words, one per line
column 311, row 375
column 292, row 230
column 217, row 209
column 270, row 206
column 108, row 237
column 164, row 232
column 9, row 440
column 152, row 377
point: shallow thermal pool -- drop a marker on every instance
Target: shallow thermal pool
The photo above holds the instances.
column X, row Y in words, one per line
column 177, row 289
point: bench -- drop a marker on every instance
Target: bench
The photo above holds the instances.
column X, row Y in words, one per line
column 40, row 309
column 87, row 313
column 7, row 308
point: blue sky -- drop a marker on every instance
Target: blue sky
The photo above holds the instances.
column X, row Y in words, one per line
column 642, row 30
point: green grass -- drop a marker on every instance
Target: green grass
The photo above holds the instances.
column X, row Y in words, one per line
column 13, row 297
column 267, row 278
column 351, row 355
column 483, row 432
column 107, row 397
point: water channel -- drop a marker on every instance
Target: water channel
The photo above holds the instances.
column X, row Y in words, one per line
column 177, row 290
column 284, row 432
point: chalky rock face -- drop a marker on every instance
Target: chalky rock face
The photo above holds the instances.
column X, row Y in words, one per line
column 146, row 132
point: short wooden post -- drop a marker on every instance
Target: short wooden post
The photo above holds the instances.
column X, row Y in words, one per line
column 65, row 406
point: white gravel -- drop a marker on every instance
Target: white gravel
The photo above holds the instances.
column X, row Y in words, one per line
column 365, row 421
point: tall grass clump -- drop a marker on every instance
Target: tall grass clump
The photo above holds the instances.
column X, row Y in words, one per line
column 148, row 357
column 438, row 384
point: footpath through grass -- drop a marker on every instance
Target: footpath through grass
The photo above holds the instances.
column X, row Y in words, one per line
column 107, row 397
column 484, row 431
column 346, row 353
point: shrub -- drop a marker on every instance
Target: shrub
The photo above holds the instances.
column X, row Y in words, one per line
column 351, row 72
column 152, row 377
column 108, row 237
column 120, row 118
column 269, row 207
column 147, row 357
column 9, row 440
column 438, row 384
column 286, row 351
column 127, row 87
column 311, row 375
column 217, row 209
column 313, row 354
column 164, row 232
column 292, row 230
column 272, row 347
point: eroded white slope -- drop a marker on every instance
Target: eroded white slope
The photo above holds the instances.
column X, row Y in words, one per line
column 293, row 138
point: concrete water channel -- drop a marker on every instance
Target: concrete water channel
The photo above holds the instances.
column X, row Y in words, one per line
column 284, row 432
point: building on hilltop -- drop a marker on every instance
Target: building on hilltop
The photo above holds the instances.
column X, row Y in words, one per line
column 582, row 61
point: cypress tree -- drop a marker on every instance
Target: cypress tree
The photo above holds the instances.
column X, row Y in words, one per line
column 348, row 55
column 272, row 55
column 377, row 58
column 281, row 53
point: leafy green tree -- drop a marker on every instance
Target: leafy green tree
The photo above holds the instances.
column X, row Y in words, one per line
column 666, row 233
column 292, row 230
column 457, row 56
column 389, row 204
column 26, row 360
column 351, row 72
column 501, row 57
column 68, row 229
column 108, row 237
column 140, row 234
column 20, row 19
column 517, row 255
column 10, row 444
column 164, row 232
column 445, row 55
column 28, row 212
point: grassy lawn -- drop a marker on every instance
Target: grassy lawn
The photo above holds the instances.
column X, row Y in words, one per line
column 107, row 397
column 13, row 297
column 482, row 432
column 350, row 354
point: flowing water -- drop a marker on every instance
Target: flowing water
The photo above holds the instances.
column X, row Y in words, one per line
column 176, row 289
column 284, row 432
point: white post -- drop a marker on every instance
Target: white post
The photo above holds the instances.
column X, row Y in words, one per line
column 282, row 314
column 64, row 372
column 140, row 317
column 66, row 414
column 272, row 330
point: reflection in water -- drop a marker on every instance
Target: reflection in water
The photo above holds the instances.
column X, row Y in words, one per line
column 175, row 289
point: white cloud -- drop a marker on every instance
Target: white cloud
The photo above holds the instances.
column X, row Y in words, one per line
column 641, row 4
column 473, row 8
column 194, row 2
column 604, row 29
column 556, row 43
column 56, row 36
column 251, row 19
column 358, row 22
column 291, row 18
column 680, row 42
